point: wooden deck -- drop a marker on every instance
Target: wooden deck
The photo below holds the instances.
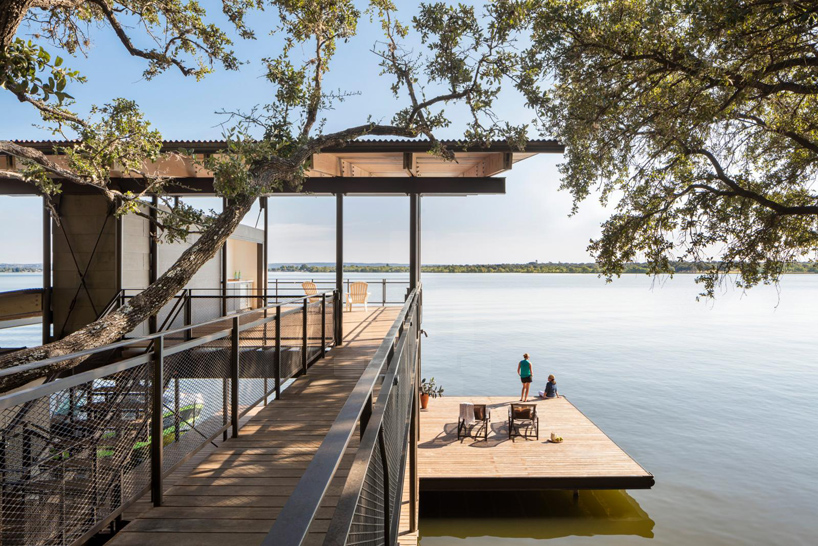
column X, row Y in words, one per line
column 587, row 459
column 233, row 495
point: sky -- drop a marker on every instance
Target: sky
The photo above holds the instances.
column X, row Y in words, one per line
column 530, row 222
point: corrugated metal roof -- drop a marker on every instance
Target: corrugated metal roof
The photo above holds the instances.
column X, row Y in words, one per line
column 361, row 145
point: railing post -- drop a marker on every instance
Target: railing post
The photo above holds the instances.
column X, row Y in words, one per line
column 366, row 414
column 157, row 420
column 337, row 317
column 176, row 419
column 304, row 337
column 225, row 406
column 188, row 314
column 323, row 324
column 235, row 344
column 383, row 301
column 278, row 352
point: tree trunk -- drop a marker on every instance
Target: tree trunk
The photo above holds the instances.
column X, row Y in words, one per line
column 112, row 327
column 12, row 13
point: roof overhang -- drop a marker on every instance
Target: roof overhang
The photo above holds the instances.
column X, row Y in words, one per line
column 366, row 167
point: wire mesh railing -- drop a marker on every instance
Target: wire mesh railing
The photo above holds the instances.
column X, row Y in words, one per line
column 368, row 510
column 76, row 452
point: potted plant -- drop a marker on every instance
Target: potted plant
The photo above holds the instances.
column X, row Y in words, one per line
column 428, row 389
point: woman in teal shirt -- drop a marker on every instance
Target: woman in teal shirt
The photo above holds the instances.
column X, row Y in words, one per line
column 526, row 372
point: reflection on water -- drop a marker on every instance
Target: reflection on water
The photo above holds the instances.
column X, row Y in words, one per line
column 502, row 517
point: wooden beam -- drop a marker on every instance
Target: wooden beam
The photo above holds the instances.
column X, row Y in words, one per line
column 494, row 163
column 349, row 169
column 325, row 164
column 409, row 163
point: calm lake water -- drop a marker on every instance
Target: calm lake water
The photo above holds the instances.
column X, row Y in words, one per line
column 716, row 399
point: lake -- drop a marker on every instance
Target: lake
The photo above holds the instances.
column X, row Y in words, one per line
column 716, row 399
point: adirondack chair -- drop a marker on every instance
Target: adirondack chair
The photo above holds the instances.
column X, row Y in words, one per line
column 358, row 294
column 310, row 289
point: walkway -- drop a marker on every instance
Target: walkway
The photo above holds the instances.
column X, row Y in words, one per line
column 235, row 493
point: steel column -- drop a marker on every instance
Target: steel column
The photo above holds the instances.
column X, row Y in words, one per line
column 414, row 240
column 224, row 269
column 46, row 301
column 157, row 428
column 339, row 263
column 154, row 258
column 266, row 203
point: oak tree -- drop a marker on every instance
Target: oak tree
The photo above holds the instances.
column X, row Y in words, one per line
column 698, row 119
column 458, row 54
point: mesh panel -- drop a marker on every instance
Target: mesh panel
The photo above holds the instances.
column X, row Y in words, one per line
column 70, row 458
column 291, row 340
column 256, row 361
column 368, row 524
column 314, row 330
column 196, row 399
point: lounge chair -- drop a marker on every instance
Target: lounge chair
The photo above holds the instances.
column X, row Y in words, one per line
column 523, row 416
column 480, row 421
column 358, row 294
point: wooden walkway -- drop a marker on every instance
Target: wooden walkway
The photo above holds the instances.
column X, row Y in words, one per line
column 234, row 493
column 587, row 459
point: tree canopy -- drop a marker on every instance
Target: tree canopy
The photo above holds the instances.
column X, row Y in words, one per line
column 699, row 120
column 458, row 54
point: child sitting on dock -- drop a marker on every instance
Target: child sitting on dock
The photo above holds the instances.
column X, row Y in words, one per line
column 550, row 389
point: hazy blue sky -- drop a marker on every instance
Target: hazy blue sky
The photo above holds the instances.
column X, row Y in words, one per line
column 529, row 222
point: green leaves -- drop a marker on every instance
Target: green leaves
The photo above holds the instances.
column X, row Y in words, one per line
column 698, row 117
column 27, row 71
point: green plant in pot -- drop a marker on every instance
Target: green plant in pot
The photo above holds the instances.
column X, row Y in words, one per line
column 428, row 389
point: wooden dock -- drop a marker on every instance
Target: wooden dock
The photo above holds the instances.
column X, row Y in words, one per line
column 587, row 459
column 233, row 495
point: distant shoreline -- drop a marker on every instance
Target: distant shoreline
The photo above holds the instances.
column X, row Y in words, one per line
column 573, row 268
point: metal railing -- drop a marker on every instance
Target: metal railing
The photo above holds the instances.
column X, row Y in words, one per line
column 76, row 452
column 383, row 291
column 368, row 510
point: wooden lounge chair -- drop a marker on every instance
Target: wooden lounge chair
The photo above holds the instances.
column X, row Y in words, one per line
column 523, row 416
column 358, row 294
column 482, row 418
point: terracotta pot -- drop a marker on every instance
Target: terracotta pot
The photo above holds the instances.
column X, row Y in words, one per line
column 424, row 401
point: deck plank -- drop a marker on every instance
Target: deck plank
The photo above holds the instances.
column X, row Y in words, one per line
column 233, row 492
column 587, row 459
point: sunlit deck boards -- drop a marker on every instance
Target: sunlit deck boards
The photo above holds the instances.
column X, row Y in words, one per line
column 587, row 459
column 234, row 495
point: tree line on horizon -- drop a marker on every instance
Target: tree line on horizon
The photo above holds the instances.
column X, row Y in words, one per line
column 548, row 267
